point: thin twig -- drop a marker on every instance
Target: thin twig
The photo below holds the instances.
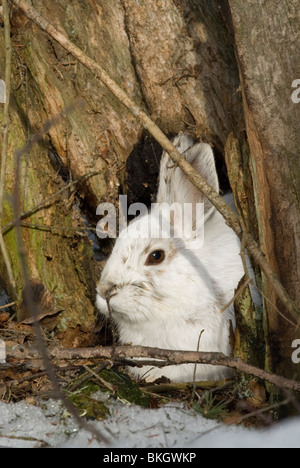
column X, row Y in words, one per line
column 243, row 253
column 99, row 378
column 43, row 204
column 83, row 378
column 48, row 125
column 112, row 325
column 34, row 306
column 160, row 358
column 184, row 386
column 260, row 411
column 237, row 294
column 8, row 55
column 195, row 367
column 26, row 439
column 231, row 218
column 7, row 305
column 53, row 227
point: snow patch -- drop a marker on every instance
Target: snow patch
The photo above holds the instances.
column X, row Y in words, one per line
column 172, row 426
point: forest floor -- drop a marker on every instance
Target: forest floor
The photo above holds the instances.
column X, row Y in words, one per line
column 225, row 414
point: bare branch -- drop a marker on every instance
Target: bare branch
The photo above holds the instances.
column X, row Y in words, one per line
column 183, row 386
column 7, row 305
column 237, row 294
column 34, row 306
column 166, row 357
column 44, row 203
column 102, row 381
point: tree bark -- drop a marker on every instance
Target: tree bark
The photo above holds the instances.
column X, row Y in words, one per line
column 95, row 137
column 185, row 63
column 268, row 44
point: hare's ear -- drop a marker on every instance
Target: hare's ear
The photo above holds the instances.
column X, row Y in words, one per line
column 174, row 186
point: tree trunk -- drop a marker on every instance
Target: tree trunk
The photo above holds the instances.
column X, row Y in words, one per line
column 268, row 44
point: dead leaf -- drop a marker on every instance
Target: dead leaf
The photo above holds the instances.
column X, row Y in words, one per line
column 258, row 394
column 4, row 316
column 43, row 301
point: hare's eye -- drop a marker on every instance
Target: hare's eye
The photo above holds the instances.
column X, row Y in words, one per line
column 156, row 257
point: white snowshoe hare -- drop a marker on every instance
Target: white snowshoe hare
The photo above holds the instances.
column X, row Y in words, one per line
column 164, row 291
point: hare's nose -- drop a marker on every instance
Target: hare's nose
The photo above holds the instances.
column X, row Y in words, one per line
column 106, row 289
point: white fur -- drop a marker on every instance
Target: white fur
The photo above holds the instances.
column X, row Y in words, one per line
column 169, row 304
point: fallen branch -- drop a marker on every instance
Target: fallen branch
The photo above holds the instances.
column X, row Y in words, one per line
column 231, row 218
column 183, row 386
column 167, row 357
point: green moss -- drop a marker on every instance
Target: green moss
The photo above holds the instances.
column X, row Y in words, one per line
column 13, row 251
column 87, row 406
column 250, row 343
column 126, row 389
column 120, row 386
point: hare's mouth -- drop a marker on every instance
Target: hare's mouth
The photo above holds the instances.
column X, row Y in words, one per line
column 111, row 295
